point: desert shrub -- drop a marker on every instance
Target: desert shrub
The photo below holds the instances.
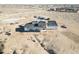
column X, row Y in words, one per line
column 51, row 51
column 1, row 47
column 8, row 33
column 14, row 52
column 33, row 40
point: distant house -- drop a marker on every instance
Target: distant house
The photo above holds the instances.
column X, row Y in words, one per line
column 52, row 25
column 66, row 9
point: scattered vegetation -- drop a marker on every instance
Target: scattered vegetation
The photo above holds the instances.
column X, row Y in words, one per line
column 33, row 40
column 8, row 33
column 1, row 47
column 50, row 51
column 63, row 26
column 11, row 23
column 35, row 16
column 14, row 52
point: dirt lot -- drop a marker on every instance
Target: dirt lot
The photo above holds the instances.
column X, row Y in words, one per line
column 61, row 40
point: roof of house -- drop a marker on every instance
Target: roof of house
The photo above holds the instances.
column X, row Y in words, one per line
column 42, row 23
column 52, row 23
column 28, row 25
column 36, row 25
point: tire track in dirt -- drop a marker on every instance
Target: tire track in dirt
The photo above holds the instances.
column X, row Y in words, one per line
column 72, row 36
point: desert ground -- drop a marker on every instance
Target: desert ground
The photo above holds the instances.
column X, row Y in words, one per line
column 59, row 41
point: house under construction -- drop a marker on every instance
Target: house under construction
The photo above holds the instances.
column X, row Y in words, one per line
column 38, row 25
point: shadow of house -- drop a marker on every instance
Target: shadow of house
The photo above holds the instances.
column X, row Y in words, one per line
column 20, row 29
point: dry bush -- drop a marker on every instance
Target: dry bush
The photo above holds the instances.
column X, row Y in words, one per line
column 1, row 47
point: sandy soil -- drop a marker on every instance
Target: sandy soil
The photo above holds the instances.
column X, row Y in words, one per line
column 59, row 40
